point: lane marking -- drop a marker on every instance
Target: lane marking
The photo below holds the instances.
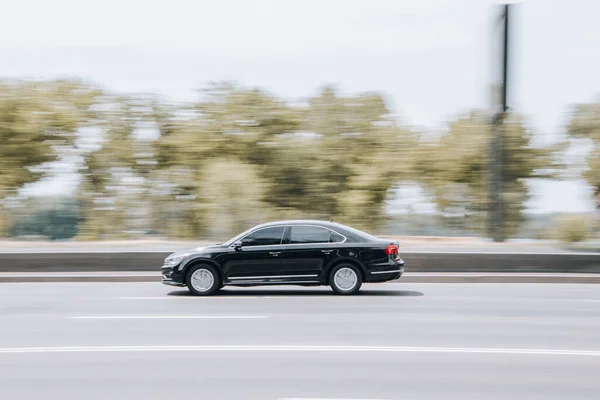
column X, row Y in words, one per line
column 169, row 317
column 185, row 297
column 338, row 349
column 150, row 298
column 502, row 299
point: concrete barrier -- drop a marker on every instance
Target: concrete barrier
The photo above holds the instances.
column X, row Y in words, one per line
column 81, row 261
column 502, row 262
column 416, row 261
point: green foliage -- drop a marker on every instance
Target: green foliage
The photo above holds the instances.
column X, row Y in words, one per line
column 107, row 199
column 344, row 170
column 240, row 155
column 55, row 223
column 585, row 123
column 454, row 168
column 232, row 193
column 38, row 121
column 572, row 228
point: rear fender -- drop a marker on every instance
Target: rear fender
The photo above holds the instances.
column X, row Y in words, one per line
column 342, row 260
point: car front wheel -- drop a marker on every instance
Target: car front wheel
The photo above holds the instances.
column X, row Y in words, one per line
column 203, row 280
column 345, row 279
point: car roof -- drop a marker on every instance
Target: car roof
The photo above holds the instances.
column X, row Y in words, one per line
column 336, row 227
column 296, row 222
column 347, row 231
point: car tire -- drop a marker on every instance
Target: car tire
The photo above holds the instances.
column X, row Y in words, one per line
column 203, row 280
column 345, row 279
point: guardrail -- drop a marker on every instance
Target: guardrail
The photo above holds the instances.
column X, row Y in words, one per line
column 416, row 261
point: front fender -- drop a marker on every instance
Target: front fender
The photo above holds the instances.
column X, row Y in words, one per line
column 197, row 259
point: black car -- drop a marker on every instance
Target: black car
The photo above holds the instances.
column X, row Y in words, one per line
column 307, row 253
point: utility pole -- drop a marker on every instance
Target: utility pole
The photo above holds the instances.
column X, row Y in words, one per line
column 496, row 203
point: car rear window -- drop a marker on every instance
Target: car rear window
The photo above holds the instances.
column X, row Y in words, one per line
column 358, row 233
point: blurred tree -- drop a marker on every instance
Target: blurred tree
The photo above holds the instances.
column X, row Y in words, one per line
column 572, row 228
column 341, row 161
column 454, row 167
column 228, row 120
column 585, row 123
column 55, row 221
column 231, row 197
column 118, row 173
column 240, row 155
column 38, row 123
column 236, row 124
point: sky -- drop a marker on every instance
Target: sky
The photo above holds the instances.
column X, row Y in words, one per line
column 431, row 59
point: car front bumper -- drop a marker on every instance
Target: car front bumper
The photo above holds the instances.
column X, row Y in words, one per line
column 171, row 277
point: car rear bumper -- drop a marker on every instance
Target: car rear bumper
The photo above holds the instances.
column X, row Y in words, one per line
column 384, row 273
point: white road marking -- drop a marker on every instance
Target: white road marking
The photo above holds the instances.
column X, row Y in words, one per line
column 338, row 349
column 503, row 299
column 152, row 298
column 185, row 297
column 318, row 398
column 169, row 317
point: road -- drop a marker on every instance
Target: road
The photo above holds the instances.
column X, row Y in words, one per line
column 394, row 341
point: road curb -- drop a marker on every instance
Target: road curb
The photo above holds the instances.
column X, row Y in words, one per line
column 41, row 279
column 500, row 279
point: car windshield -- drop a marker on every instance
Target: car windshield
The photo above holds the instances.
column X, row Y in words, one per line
column 238, row 237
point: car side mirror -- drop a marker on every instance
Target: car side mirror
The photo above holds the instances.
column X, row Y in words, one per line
column 237, row 245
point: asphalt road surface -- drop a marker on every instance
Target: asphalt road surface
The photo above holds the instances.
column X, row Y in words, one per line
column 393, row 341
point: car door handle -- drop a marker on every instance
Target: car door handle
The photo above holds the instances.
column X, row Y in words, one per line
column 274, row 253
column 326, row 251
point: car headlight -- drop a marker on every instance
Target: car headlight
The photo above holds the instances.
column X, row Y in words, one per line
column 171, row 261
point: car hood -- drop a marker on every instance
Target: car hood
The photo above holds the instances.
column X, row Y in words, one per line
column 196, row 250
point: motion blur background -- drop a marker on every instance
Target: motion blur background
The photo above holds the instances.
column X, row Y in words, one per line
column 198, row 119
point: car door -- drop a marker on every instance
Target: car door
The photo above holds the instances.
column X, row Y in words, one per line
column 309, row 248
column 259, row 256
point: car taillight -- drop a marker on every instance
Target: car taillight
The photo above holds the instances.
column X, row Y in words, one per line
column 391, row 250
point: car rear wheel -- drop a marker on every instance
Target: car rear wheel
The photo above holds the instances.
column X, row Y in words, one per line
column 203, row 280
column 345, row 279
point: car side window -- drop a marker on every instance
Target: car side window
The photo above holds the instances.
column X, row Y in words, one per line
column 313, row 234
column 264, row 237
